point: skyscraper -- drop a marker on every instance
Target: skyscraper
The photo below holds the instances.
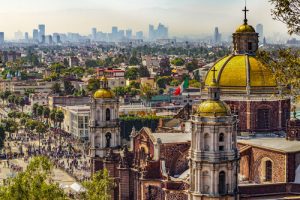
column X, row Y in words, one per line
column 94, row 33
column 151, row 32
column 26, row 36
column 114, row 32
column 42, row 31
column 1, row 37
column 139, row 35
column 260, row 31
column 35, row 35
column 217, row 36
column 128, row 33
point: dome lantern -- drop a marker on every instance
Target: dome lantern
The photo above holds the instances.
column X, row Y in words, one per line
column 245, row 39
column 104, row 91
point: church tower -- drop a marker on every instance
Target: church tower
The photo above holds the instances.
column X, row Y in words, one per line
column 104, row 125
column 245, row 39
column 213, row 154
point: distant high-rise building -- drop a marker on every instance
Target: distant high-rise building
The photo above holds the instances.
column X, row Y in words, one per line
column 151, row 32
column 1, row 37
column 139, row 35
column 160, row 33
column 26, row 36
column 114, row 32
column 94, row 33
column 19, row 35
column 56, row 38
column 217, row 36
column 260, row 31
column 35, row 35
column 128, row 33
column 42, row 31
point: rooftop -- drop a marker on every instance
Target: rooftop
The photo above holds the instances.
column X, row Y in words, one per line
column 276, row 144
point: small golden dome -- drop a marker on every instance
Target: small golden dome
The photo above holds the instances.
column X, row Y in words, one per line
column 210, row 108
column 103, row 93
column 103, row 79
column 245, row 28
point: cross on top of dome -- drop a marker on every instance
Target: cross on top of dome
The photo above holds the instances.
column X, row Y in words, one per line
column 245, row 11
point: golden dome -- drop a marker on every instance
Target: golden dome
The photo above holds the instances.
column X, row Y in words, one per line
column 103, row 93
column 210, row 108
column 232, row 72
column 245, row 28
column 103, row 79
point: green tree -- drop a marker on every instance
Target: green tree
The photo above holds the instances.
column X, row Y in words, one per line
column 10, row 126
column 120, row 91
column 21, row 102
column 11, row 99
column 131, row 73
column 34, row 109
column 178, row 62
column 2, row 136
column 93, row 85
column 91, row 63
column 68, row 87
column 143, row 71
column 147, row 91
column 59, row 118
column 288, row 12
column 56, row 88
column 46, row 114
column 134, row 60
column 163, row 81
column 39, row 111
column 33, row 184
column 41, row 129
column 285, row 65
column 52, row 117
column 100, row 187
column 194, row 83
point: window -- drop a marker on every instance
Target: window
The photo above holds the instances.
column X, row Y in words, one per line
column 263, row 118
column 221, row 148
column 107, row 114
column 221, row 137
column 249, row 46
column 268, row 170
column 108, row 140
column 206, row 142
column 222, row 183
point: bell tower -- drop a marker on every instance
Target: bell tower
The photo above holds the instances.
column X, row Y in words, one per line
column 213, row 153
column 245, row 39
column 104, row 124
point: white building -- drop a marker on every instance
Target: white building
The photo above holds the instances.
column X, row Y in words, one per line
column 76, row 121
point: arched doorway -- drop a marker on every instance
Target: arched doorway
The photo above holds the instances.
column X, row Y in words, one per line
column 108, row 140
column 222, row 182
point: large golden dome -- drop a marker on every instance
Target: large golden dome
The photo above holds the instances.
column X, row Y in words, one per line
column 245, row 28
column 240, row 71
column 211, row 108
column 103, row 93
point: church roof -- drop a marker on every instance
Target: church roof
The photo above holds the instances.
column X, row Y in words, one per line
column 275, row 144
column 240, row 71
column 167, row 138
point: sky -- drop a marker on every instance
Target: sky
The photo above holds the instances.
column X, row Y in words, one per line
column 183, row 17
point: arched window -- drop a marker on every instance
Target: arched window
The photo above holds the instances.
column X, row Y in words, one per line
column 221, row 137
column 222, row 183
column 263, row 118
column 206, row 142
column 143, row 154
column 268, row 169
column 108, row 140
column 206, row 182
column 107, row 114
column 221, row 142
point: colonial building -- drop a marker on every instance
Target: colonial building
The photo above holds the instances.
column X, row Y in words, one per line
column 214, row 155
column 249, row 87
column 104, row 125
column 204, row 159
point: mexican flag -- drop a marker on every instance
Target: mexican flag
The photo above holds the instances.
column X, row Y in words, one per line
column 184, row 85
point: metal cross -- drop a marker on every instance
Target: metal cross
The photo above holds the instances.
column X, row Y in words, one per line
column 214, row 74
column 245, row 10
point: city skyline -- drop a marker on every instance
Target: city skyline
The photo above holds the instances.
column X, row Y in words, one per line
column 179, row 17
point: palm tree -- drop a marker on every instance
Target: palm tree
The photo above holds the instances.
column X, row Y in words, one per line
column 40, row 129
column 39, row 111
column 59, row 118
column 46, row 114
column 52, row 117
column 21, row 102
column 34, row 109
